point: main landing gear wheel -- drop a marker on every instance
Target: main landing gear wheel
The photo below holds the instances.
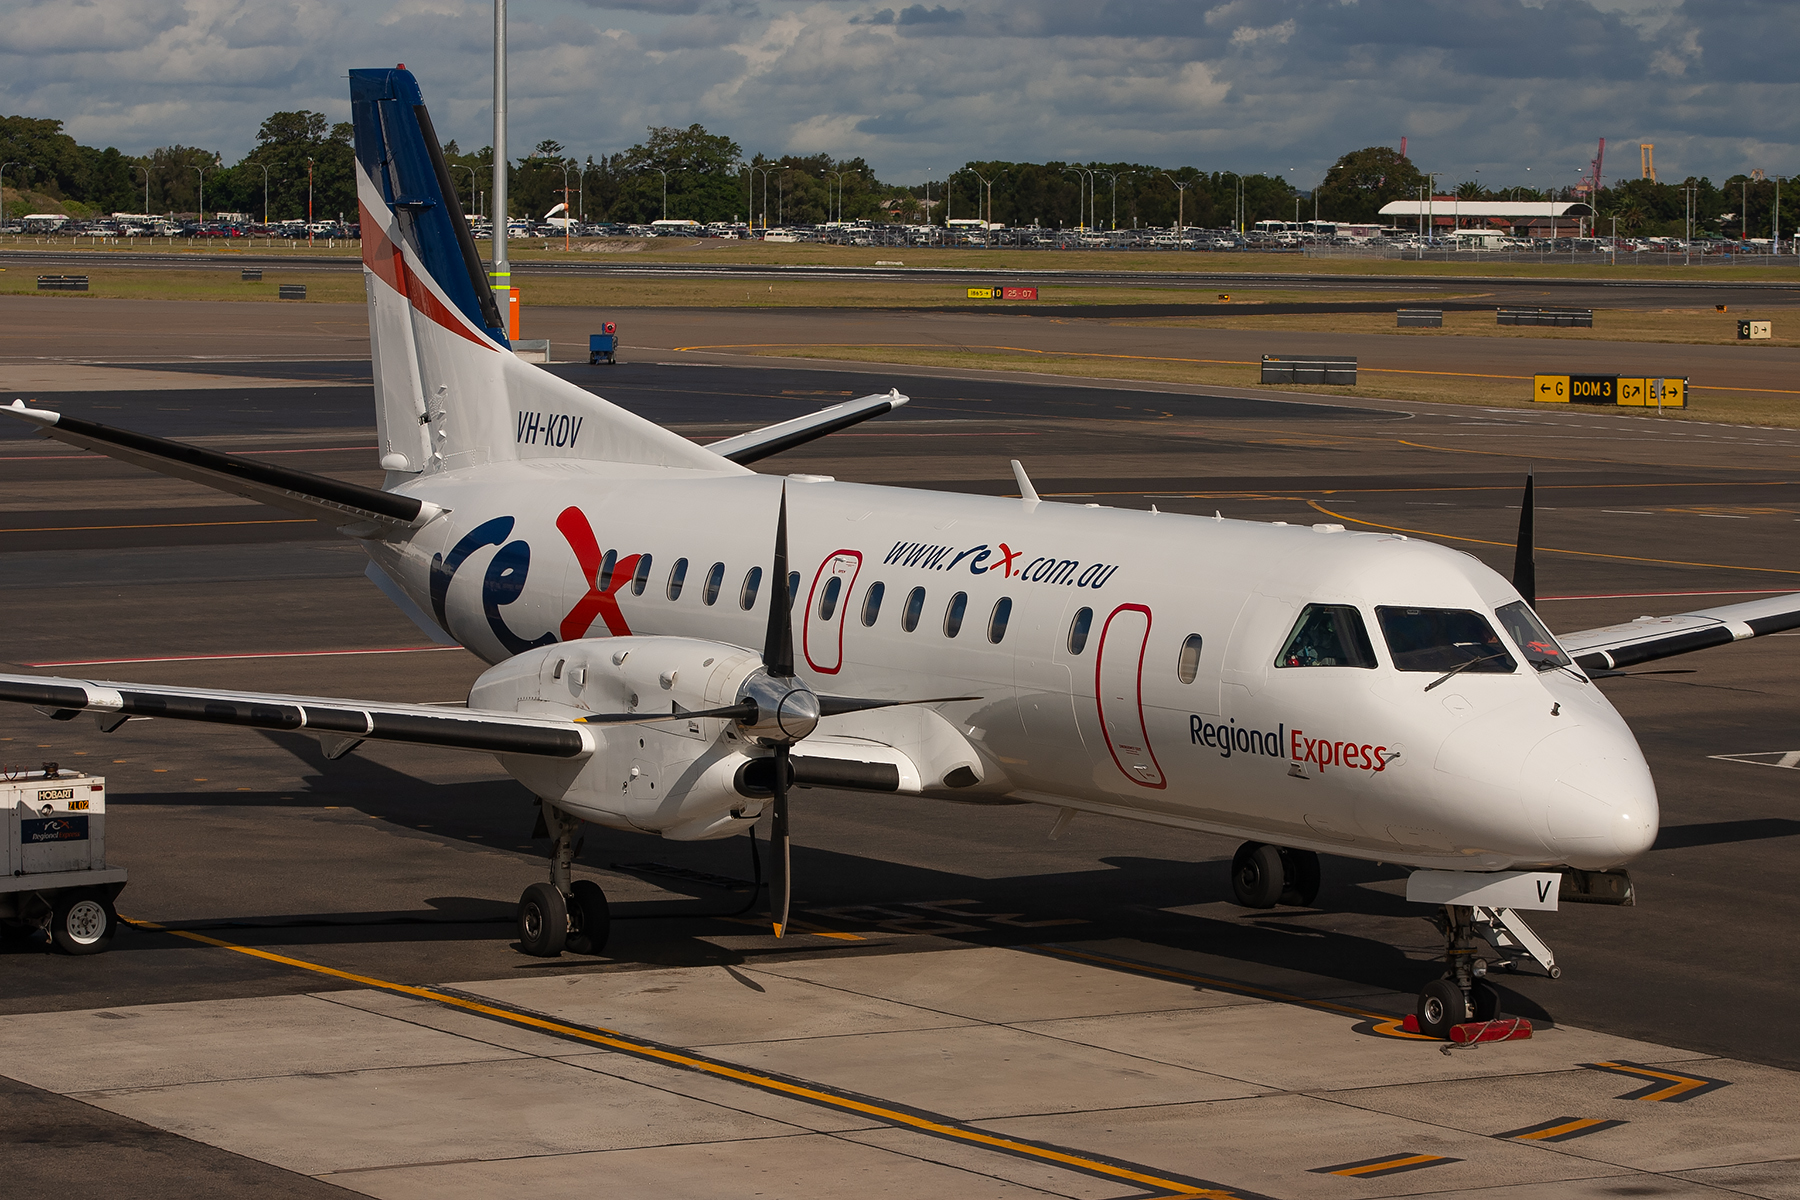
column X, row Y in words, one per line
column 83, row 923
column 1257, row 875
column 1264, row 876
column 543, row 921
column 590, row 921
column 1441, row 1005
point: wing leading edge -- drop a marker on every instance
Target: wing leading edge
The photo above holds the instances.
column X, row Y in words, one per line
column 346, row 721
column 1649, row 638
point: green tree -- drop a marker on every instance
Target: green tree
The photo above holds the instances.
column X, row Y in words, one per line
column 1360, row 182
column 284, row 143
column 704, row 180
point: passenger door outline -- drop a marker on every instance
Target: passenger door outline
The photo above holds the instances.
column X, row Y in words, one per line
column 1138, row 763
column 846, row 565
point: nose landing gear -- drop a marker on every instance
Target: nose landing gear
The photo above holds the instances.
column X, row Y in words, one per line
column 1263, row 876
column 1463, row 994
column 561, row 914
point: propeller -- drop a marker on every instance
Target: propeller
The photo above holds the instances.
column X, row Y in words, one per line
column 776, row 709
column 1524, row 559
column 778, row 663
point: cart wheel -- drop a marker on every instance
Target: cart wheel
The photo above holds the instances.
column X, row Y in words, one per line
column 83, row 922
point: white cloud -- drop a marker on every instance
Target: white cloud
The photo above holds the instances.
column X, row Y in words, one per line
column 1238, row 85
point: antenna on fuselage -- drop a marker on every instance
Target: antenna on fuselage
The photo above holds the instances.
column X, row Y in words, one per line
column 1026, row 491
column 1524, row 561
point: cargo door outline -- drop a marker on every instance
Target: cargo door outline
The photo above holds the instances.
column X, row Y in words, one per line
column 841, row 564
column 1132, row 737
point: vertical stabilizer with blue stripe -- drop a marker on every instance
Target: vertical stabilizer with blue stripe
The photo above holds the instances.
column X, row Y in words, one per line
column 449, row 392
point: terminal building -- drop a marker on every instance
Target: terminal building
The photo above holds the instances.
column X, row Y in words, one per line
column 1517, row 218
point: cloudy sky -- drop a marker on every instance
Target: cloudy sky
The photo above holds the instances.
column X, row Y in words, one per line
column 1495, row 86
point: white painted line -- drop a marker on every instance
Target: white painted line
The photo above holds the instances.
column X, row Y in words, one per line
column 1629, row 512
column 1648, row 595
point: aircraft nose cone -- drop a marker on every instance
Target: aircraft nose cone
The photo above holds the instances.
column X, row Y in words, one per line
column 1594, row 790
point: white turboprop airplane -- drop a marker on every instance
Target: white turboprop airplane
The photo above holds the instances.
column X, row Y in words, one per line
column 656, row 669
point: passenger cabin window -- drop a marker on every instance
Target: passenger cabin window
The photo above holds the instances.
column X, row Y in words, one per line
column 1443, row 639
column 953, row 615
column 642, row 576
column 1327, row 635
column 1188, row 665
column 1078, row 630
column 828, row 600
column 677, row 577
column 1523, row 626
column 793, row 585
column 915, row 604
column 715, row 578
column 998, row 618
column 747, row 595
column 608, row 561
column 872, row 602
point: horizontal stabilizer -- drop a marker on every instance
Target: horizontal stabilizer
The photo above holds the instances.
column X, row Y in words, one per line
column 330, row 500
column 1649, row 638
column 773, row 439
column 355, row 720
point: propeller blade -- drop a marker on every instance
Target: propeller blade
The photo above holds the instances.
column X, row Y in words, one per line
column 781, row 864
column 831, row 706
column 1524, row 559
column 746, row 711
column 778, row 646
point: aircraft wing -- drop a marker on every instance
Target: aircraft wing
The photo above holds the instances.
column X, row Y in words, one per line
column 1649, row 638
column 358, row 510
column 343, row 723
column 773, row 439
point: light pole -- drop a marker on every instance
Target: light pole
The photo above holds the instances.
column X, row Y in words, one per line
column 665, row 176
column 500, row 274
column 22, row 170
column 1431, row 203
column 1114, row 176
column 989, row 220
column 1086, row 177
column 1236, row 190
column 309, row 190
column 565, row 167
column 839, row 176
column 265, row 172
column 146, row 171
column 201, row 171
column 1180, row 201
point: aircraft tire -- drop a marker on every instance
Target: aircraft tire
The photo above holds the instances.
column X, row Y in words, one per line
column 1441, row 1005
column 590, row 919
column 543, row 921
column 1300, row 872
column 83, row 922
column 1257, row 876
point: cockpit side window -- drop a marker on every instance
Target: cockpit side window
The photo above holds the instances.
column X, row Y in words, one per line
column 1443, row 639
column 1523, row 626
column 1327, row 635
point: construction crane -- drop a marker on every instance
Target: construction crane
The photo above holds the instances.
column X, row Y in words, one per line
column 1599, row 155
column 1647, row 161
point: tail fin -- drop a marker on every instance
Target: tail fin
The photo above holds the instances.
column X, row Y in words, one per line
column 449, row 392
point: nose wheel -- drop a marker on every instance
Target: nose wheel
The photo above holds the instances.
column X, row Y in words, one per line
column 1464, row 994
column 1263, row 876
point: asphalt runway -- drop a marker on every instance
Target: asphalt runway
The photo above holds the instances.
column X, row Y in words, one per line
column 402, row 865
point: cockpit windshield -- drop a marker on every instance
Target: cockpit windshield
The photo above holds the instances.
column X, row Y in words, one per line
column 1443, row 639
column 1523, row 626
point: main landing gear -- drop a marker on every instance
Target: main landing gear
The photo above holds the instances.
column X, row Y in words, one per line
column 1263, row 876
column 563, row 914
column 1464, row 994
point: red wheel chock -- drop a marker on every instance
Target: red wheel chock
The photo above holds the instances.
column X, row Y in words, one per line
column 1506, row 1029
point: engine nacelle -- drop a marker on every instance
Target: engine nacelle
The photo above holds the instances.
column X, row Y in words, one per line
column 676, row 777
